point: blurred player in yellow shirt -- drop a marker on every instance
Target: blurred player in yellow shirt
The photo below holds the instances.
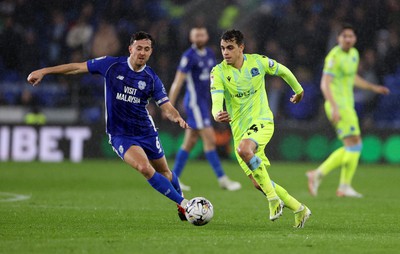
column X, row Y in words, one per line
column 338, row 80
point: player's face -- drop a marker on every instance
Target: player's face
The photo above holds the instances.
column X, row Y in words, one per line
column 140, row 51
column 199, row 37
column 231, row 52
column 346, row 39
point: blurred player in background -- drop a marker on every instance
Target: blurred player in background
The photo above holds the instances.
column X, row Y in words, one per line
column 194, row 70
column 239, row 80
column 337, row 83
column 129, row 84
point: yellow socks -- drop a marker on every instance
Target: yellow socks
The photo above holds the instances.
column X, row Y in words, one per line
column 333, row 161
column 289, row 201
column 349, row 166
column 262, row 178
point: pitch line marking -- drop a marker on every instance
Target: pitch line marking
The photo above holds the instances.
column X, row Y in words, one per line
column 12, row 197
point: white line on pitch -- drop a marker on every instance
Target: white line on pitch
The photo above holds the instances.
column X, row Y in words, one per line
column 12, row 197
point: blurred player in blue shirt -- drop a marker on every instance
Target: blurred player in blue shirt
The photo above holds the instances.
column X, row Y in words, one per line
column 129, row 85
column 194, row 70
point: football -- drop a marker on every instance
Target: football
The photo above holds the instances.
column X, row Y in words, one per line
column 199, row 211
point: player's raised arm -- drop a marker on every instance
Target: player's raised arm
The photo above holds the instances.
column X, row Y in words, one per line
column 173, row 115
column 72, row 68
column 364, row 84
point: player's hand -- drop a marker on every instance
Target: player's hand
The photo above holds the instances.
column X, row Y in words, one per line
column 222, row 117
column 35, row 77
column 297, row 97
column 381, row 90
column 182, row 123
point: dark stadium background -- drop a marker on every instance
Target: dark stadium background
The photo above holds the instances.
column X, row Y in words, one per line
column 297, row 33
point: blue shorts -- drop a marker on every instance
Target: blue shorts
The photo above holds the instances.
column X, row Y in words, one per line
column 198, row 116
column 150, row 144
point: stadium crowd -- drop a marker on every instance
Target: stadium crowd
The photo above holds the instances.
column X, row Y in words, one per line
column 297, row 33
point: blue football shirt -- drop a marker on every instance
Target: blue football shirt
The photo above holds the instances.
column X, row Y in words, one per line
column 197, row 64
column 127, row 94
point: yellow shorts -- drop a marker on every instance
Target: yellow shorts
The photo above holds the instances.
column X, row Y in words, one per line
column 348, row 124
column 261, row 133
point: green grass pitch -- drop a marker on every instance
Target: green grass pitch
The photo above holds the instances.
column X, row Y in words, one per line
column 106, row 207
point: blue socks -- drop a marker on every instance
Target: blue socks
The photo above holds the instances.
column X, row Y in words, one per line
column 175, row 183
column 165, row 187
column 213, row 159
column 180, row 162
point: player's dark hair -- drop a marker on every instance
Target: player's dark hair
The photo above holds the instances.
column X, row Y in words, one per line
column 233, row 36
column 346, row 26
column 199, row 26
column 142, row 36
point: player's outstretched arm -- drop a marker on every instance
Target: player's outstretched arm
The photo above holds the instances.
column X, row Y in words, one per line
column 35, row 77
column 173, row 115
column 364, row 84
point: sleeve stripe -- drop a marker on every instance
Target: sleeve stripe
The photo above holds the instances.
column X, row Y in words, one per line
column 217, row 91
column 329, row 73
column 277, row 68
column 162, row 101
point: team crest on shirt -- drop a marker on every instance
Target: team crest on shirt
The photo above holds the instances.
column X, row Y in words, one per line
column 141, row 85
column 254, row 72
column 121, row 149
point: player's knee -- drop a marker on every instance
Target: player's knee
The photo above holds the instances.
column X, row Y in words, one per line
column 145, row 169
column 244, row 152
column 189, row 144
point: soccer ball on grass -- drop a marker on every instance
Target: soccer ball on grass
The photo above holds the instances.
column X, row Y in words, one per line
column 199, row 211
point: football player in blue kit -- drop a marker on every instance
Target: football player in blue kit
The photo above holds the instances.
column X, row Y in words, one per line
column 194, row 71
column 129, row 85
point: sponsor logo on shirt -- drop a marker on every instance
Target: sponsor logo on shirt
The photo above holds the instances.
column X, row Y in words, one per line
column 271, row 63
column 330, row 63
column 184, row 62
column 244, row 94
column 120, row 77
column 128, row 95
column 98, row 58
